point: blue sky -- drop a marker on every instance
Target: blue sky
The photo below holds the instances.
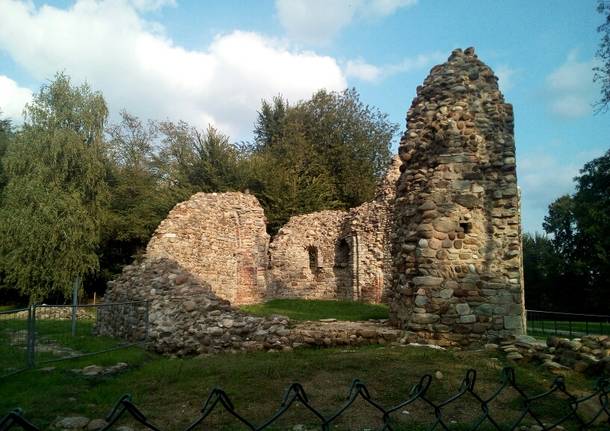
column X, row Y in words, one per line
column 213, row 62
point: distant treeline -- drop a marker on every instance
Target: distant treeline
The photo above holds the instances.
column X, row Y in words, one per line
column 80, row 198
column 569, row 270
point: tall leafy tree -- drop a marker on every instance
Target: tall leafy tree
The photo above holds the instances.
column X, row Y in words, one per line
column 138, row 201
column 6, row 132
column 602, row 72
column 198, row 161
column 54, row 201
column 331, row 150
column 270, row 122
column 580, row 229
column 544, row 274
column 592, row 215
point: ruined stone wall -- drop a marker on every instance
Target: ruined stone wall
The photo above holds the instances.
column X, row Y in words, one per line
column 220, row 238
column 440, row 243
column 457, row 240
column 353, row 250
column 185, row 316
column 368, row 228
column 306, row 260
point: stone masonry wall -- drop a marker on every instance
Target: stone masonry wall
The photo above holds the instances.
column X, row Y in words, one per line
column 368, row 227
column 457, row 239
column 303, row 258
column 220, row 238
column 185, row 315
column 186, row 318
column 353, row 249
column 440, row 243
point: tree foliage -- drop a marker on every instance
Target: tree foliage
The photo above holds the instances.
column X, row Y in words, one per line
column 137, row 202
column 541, row 265
column 578, row 269
column 198, row 161
column 6, row 133
column 80, row 198
column 53, row 203
column 327, row 152
column 602, row 72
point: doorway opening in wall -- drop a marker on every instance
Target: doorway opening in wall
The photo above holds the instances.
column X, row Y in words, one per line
column 342, row 254
column 343, row 270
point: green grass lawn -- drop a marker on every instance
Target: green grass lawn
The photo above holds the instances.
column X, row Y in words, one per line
column 9, row 307
column 54, row 341
column 301, row 309
column 171, row 392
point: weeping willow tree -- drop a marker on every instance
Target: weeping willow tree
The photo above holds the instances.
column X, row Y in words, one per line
column 54, row 200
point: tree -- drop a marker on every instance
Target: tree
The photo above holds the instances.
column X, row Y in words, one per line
column 580, row 227
column 270, row 122
column 331, row 151
column 561, row 223
column 198, row 161
column 592, row 216
column 138, row 200
column 602, row 72
column 6, row 132
column 56, row 194
column 546, row 288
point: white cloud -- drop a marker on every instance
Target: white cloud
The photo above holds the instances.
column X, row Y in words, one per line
column 12, row 98
column 151, row 5
column 140, row 69
column 415, row 63
column 318, row 21
column 544, row 177
column 571, row 89
column 505, row 76
column 364, row 71
column 386, row 7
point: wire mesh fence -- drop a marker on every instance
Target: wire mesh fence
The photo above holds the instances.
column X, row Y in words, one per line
column 45, row 333
column 554, row 409
column 542, row 323
column 14, row 326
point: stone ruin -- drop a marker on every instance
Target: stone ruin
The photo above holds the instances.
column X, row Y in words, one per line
column 337, row 254
column 457, row 235
column 222, row 239
column 440, row 243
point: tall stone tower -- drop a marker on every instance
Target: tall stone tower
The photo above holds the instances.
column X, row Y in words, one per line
column 457, row 238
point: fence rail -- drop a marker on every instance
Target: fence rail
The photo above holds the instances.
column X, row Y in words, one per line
column 543, row 323
column 46, row 333
column 596, row 414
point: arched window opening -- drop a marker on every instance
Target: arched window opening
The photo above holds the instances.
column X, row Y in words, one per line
column 466, row 226
column 313, row 259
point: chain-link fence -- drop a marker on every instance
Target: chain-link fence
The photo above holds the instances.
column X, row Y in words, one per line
column 46, row 333
column 569, row 412
column 14, row 328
